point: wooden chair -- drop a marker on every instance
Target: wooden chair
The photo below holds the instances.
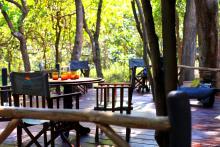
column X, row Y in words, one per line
column 83, row 66
column 139, row 80
column 114, row 97
column 5, row 99
column 32, row 90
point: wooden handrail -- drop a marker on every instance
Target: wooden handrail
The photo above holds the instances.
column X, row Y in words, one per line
column 113, row 135
column 199, row 68
column 9, row 128
column 178, row 119
column 157, row 123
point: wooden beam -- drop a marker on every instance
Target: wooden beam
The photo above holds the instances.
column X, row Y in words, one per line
column 9, row 128
column 199, row 68
column 146, row 122
column 113, row 135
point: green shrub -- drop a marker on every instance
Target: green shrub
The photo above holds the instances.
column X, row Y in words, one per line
column 195, row 82
column 115, row 73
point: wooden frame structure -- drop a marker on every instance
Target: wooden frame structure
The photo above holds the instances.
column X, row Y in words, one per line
column 177, row 123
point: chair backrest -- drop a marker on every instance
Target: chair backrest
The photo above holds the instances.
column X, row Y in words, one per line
column 114, row 97
column 83, row 66
column 136, row 63
column 75, row 65
column 35, row 83
column 33, row 87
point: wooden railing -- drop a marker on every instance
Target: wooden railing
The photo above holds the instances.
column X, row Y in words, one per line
column 178, row 123
column 199, row 68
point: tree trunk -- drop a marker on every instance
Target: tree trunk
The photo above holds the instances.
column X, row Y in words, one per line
column 76, row 53
column 169, row 52
column 207, row 24
column 169, row 44
column 157, row 66
column 20, row 33
column 178, row 40
column 96, row 54
column 143, row 35
column 25, row 57
column 189, row 40
column 218, row 65
column 94, row 38
column 58, row 34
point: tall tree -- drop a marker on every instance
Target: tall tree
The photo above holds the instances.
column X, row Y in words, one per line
column 76, row 53
column 169, row 44
column 189, row 40
column 164, row 71
column 178, row 39
column 94, row 38
column 17, row 29
column 143, row 34
column 169, row 51
column 157, row 66
column 58, row 28
column 207, row 24
column 218, row 65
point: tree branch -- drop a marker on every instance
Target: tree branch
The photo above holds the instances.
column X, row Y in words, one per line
column 85, row 26
column 16, row 4
column 24, row 4
column 23, row 8
column 10, row 25
column 98, row 21
column 136, row 19
column 145, row 38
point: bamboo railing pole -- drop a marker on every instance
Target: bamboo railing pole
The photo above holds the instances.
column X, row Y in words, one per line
column 199, row 68
column 9, row 128
column 113, row 135
column 146, row 122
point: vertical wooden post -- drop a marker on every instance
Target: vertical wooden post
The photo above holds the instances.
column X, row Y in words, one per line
column 4, row 95
column 179, row 114
column 4, row 77
column 133, row 76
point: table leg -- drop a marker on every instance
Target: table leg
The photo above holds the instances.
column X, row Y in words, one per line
column 68, row 103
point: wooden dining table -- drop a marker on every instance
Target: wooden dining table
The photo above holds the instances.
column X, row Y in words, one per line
column 69, row 86
column 75, row 81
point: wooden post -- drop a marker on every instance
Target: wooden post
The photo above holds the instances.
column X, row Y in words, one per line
column 113, row 135
column 4, row 95
column 133, row 76
column 179, row 115
column 9, row 128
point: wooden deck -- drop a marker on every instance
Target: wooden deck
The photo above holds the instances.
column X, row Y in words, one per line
column 206, row 125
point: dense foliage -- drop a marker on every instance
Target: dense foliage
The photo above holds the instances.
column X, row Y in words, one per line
column 119, row 39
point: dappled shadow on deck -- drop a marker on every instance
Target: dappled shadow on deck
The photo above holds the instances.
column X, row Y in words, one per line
column 205, row 132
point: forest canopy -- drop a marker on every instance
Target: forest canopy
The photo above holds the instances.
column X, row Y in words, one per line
column 49, row 27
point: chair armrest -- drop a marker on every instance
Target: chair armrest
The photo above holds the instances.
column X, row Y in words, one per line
column 216, row 90
column 65, row 95
column 6, row 90
column 6, row 86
